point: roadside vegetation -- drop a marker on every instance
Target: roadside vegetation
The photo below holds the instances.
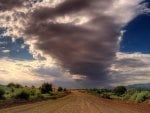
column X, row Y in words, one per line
column 138, row 95
column 12, row 93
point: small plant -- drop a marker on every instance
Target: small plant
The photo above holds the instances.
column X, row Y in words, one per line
column 2, row 92
column 23, row 95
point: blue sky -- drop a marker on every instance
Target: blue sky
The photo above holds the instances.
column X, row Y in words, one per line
column 137, row 35
column 14, row 49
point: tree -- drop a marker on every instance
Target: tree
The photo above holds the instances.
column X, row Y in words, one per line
column 11, row 85
column 14, row 85
column 18, row 86
column 60, row 89
column 46, row 88
column 119, row 90
column 33, row 87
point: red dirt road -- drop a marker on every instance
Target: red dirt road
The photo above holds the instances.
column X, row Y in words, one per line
column 78, row 102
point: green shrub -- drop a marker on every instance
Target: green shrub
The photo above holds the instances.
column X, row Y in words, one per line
column 98, row 91
column 60, row 89
column 105, row 95
column 128, row 94
column 46, row 88
column 12, row 90
column 39, row 95
column 2, row 92
column 33, row 92
column 133, row 97
column 119, row 90
column 23, row 95
column 142, row 96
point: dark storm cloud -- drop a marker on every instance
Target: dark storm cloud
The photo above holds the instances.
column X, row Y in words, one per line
column 51, row 71
column 86, row 49
column 7, row 5
column 10, row 4
column 64, row 8
column 69, row 7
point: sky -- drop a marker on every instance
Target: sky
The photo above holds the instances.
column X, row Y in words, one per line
column 75, row 43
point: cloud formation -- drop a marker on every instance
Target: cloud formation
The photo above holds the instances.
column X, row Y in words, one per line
column 130, row 69
column 82, row 36
column 78, row 48
column 10, row 4
column 30, row 72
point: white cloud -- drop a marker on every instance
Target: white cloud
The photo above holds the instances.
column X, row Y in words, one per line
column 22, row 72
column 6, row 51
column 124, row 11
column 33, row 72
column 130, row 68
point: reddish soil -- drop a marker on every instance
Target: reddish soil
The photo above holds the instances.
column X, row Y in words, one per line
column 78, row 102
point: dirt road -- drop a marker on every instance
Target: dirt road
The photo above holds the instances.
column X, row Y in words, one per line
column 78, row 102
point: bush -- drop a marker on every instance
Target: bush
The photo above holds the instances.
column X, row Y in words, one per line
column 128, row 94
column 2, row 92
column 12, row 90
column 142, row 96
column 106, row 96
column 33, row 92
column 133, row 96
column 119, row 90
column 46, row 88
column 65, row 89
column 23, row 95
column 60, row 89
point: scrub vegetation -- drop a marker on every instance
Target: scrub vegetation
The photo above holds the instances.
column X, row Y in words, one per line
column 16, row 93
column 122, row 93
